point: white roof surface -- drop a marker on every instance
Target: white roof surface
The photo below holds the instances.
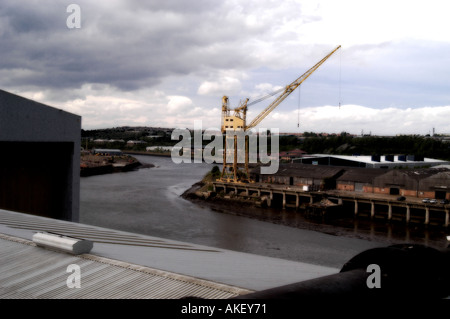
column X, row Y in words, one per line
column 368, row 159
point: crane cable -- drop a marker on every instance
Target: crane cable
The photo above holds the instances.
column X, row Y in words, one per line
column 266, row 96
column 260, row 99
column 340, row 77
column 298, row 107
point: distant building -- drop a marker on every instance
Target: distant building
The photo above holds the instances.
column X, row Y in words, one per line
column 108, row 152
column 358, row 179
column 294, row 174
column 40, row 161
column 159, row 148
column 433, row 183
column 290, row 155
column 135, row 142
column 425, row 183
column 374, row 161
column 435, row 186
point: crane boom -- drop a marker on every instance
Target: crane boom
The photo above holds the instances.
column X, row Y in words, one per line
column 288, row 90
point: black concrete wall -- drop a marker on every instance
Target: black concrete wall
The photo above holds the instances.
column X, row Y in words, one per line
column 35, row 178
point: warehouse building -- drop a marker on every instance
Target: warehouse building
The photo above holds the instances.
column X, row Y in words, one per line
column 433, row 183
column 436, row 186
column 40, row 162
column 374, row 161
column 288, row 156
column 107, row 152
column 358, row 179
column 422, row 183
column 294, row 174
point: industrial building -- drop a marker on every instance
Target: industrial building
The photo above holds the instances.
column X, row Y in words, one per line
column 294, row 174
column 423, row 183
column 432, row 183
column 107, row 152
column 290, row 155
column 373, row 161
column 40, row 162
column 358, row 179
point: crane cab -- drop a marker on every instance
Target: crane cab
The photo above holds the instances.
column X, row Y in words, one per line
column 234, row 123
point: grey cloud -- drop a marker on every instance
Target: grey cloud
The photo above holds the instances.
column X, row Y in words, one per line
column 129, row 46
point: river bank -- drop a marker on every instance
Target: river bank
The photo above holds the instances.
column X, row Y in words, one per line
column 339, row 225
column 149, row 153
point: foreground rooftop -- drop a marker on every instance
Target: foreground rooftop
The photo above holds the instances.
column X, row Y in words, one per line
column 126, row 265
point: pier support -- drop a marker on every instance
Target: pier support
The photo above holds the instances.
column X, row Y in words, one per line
column 389, row 212
column 446, row 218
column 297, row 201
column 427, row 215
column 372, row 210
column 284, row 200
column 356, row 207
column 408, row 213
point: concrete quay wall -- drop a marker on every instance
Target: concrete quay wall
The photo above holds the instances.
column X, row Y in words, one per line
column 375, row 206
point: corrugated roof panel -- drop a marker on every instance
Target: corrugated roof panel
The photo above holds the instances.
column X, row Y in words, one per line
column 31, row 272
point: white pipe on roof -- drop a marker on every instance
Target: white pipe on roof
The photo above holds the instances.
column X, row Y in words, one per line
column 67, row 244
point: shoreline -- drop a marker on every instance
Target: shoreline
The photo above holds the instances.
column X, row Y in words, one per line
column 109, row 165
column 351, row 227
column 145, row 153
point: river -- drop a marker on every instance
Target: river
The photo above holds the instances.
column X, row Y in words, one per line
column 147, row 201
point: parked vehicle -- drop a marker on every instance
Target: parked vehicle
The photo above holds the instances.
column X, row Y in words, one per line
column 425, row 200
column 433, row 201
column 444, row 201
column 401, row 198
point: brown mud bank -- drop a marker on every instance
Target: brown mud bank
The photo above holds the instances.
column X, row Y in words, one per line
column 339, row 224
column 98, row 165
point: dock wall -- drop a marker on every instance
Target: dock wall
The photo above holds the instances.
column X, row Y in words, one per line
column 374, row 206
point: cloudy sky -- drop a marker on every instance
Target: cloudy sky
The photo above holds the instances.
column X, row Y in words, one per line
column 168, row 63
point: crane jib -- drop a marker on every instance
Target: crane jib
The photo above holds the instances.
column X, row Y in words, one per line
column 289, row 89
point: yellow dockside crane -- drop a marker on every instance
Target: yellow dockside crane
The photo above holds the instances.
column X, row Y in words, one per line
column 237, row 122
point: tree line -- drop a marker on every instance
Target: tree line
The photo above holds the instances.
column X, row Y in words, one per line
column 312, row 143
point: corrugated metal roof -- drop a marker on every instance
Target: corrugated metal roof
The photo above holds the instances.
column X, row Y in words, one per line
column 363, row 175
column 105, row 236
column 29, row 272
column 221, row 268
column 305, row 170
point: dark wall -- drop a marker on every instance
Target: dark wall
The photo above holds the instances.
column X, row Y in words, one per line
column 35, row 178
